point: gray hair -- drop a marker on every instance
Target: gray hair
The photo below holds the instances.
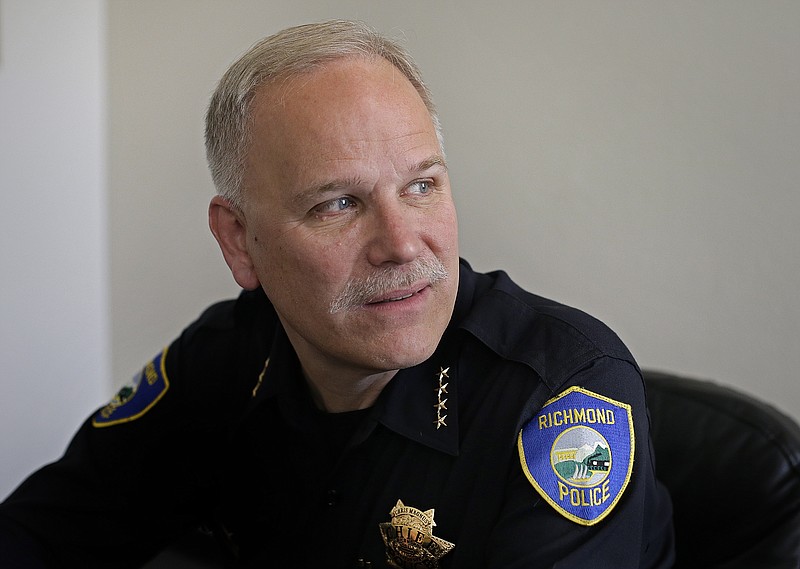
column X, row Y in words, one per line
column 292, row 51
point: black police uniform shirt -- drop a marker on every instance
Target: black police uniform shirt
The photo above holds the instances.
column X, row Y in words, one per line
column 522, row 442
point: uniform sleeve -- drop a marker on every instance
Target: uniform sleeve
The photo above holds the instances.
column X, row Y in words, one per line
column 19, row 549
column 557, row 525
column 125, row 486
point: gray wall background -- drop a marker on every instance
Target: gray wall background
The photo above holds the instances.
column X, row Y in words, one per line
column 637, row 159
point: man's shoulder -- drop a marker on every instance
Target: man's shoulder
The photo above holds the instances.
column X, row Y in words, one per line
column 553, row 339
column 234, row 313
column 224, row 349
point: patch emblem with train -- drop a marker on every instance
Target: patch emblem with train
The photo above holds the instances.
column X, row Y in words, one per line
column 138, row 397
column 578, row 453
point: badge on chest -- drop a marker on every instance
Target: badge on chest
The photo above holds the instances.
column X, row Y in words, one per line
column 409, row 539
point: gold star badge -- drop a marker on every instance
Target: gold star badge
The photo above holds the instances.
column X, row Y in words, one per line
column 441, row 403
column 260, row 378
column 409, row 539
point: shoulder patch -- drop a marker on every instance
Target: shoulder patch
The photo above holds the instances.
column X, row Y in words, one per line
column 578, row 453
column 137, row 397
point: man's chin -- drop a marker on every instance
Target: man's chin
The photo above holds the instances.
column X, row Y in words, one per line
column 403, row 359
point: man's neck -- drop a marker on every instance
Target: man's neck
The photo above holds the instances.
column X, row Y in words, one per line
column 341, row 393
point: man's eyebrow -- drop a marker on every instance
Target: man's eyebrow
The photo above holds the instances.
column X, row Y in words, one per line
column 334, row 186
column 434, row 160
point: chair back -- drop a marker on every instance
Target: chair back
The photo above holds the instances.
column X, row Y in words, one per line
column 732, row 466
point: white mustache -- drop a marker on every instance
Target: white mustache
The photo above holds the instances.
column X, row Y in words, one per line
column 360, row 291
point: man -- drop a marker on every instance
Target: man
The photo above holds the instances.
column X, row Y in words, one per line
column 368, row 400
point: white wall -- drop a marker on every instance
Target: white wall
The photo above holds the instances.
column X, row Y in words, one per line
column 637, row 159
column 54, row 335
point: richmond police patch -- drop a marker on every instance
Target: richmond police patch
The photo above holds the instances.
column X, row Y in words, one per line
column 138, row 397
column 578, row 453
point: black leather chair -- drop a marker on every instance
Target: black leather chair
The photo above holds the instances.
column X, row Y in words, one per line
column 732, row 466
column 730, row 462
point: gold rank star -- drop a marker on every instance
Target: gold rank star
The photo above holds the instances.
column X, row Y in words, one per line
column 441, row 403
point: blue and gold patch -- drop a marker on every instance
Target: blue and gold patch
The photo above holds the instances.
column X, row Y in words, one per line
column 138, row 397
column 578, row 453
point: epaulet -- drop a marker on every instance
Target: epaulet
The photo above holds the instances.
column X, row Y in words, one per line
column 553, row 339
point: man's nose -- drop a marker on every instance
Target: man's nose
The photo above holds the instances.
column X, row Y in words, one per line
column 394, row 235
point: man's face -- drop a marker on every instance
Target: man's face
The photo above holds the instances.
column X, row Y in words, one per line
column 346, row 183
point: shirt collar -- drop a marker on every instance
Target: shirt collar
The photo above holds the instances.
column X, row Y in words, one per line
column 421, row 403
column 281, row 379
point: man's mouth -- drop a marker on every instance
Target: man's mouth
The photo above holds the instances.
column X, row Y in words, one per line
column 394, row 299
column 384, row 287
column 396, row 296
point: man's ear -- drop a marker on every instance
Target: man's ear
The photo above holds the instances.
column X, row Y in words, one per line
column 228, row 226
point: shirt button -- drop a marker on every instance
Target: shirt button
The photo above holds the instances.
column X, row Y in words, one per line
column 332, row 497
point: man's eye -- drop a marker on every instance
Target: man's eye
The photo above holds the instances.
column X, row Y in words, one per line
column 335, row 205
column 422, row 187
